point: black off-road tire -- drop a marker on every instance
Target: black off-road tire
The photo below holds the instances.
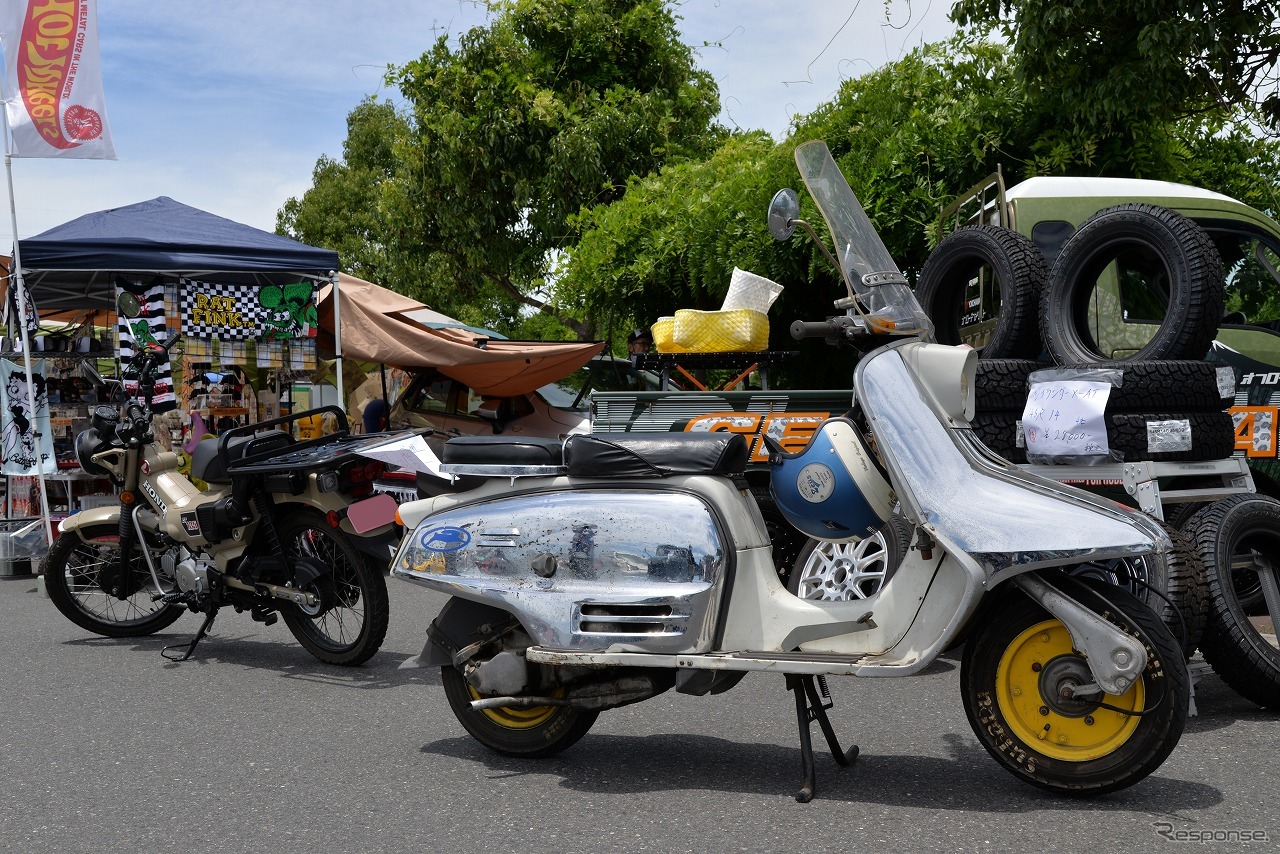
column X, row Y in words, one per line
column 1230, row 535
column 529, row 733
column 1173, row 586
column 1019, row 273
column 1001, row 384
column 1212, row 436
column 1162, row 385
column 1012, row 698
column 1191, row 267
column 999, row 432
column 71, row 579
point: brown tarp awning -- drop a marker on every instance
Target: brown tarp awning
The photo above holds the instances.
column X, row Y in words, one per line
column 373, row 330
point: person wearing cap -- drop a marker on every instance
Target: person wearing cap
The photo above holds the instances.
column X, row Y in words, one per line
column 639, row 342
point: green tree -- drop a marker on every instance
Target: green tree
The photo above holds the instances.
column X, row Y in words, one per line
column 342, row 209
column 552, row 107
column 909, row 137
column 1120, row 63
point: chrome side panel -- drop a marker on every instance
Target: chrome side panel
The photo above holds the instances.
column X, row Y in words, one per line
column 1007, row 520
column 606, row 566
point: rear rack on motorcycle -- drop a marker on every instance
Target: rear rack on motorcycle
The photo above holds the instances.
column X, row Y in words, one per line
column 275, row 455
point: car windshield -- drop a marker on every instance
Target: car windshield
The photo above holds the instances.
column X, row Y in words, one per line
column 602, row 374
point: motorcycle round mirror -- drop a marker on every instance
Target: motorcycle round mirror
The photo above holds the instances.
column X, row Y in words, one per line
column 127, row 305
column 784, row 212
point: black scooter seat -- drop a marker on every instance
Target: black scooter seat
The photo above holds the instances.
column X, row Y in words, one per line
column 607, row 455
column 656, row 455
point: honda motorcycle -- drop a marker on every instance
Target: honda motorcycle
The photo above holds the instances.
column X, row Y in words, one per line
column 607, row 569
column 283, row 529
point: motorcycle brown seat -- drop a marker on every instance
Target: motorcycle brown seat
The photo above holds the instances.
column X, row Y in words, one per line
column 211, row 467
column 661, row 455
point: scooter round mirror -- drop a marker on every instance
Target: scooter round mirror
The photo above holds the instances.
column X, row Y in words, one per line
column 127, row 305
column 784, row 213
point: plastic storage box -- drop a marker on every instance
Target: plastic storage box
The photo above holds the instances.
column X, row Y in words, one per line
column 21, row 543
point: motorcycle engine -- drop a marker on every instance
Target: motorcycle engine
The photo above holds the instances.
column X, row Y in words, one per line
column 189, row 572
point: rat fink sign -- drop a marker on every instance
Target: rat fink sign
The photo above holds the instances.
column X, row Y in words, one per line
column 53, row 79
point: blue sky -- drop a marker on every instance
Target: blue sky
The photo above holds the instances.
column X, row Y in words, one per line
column 227, row 105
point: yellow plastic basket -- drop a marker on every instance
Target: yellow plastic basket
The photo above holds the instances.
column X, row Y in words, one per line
column 664, row 336
column 740, row 330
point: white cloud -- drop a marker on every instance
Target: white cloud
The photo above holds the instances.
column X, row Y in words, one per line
column 226, row 106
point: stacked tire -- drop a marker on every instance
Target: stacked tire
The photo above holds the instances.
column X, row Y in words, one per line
column 1174, row 586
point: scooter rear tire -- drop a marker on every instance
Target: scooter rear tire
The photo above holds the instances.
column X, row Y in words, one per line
column 1020, row 658
column 529, row 733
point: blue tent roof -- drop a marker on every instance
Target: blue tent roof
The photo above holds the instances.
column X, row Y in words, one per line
column 74, row 265
column 164, row 235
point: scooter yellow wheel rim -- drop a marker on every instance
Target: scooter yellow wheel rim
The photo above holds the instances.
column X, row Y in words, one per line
column 516, row 718
column 1033, row 671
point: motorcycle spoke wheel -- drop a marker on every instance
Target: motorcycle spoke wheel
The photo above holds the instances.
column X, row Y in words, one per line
column 348, row 622
column 1018, row 663
column 530, row 733
column 75, row 571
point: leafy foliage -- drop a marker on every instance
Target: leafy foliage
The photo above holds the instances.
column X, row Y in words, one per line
column 342, row 210
column 1112, row 64
column 553, row 106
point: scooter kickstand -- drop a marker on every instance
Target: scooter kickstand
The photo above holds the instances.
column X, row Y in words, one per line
column 809, row 707
column 191, row 647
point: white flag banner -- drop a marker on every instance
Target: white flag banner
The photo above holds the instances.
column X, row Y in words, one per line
column 53, row 79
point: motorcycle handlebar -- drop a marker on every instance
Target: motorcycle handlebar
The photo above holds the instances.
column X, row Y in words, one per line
column 802, row 329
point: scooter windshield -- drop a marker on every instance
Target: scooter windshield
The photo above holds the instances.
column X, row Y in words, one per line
column 868, row 268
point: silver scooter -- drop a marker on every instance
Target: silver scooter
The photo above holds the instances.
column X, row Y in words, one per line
column 609, row 568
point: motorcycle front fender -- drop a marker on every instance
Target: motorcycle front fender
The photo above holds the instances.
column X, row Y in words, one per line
column 77, row 522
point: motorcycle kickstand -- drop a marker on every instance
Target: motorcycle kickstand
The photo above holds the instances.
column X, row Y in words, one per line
column 191, row 647
column 809, row 707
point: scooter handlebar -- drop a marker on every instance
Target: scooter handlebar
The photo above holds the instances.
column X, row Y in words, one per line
column 802, row 329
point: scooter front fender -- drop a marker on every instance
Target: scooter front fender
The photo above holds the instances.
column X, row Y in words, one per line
column 962, row 495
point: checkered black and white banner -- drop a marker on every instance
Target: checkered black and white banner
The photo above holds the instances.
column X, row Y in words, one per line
column 228, row 312
column 218, row 310
column 147, row 327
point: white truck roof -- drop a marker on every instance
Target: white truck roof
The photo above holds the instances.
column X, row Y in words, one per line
column 1058, row 188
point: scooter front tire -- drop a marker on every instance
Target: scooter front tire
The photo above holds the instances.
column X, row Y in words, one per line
column 1015, row 667
column 530, row 733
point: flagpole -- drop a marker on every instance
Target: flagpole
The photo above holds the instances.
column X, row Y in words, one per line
column 16, row 281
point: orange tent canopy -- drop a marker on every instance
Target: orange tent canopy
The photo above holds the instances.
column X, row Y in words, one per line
column 375, row 330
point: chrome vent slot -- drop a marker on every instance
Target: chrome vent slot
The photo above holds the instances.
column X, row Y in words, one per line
column 498, row 537
column 628, row 619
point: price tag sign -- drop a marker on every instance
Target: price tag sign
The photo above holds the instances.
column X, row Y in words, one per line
column 1065, row 418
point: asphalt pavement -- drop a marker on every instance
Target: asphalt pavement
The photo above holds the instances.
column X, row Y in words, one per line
column 255, row 746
